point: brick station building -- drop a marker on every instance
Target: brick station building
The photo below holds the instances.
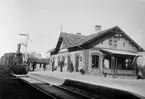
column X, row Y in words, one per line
column 109, row 51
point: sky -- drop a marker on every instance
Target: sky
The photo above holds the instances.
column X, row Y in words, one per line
column 42, row 20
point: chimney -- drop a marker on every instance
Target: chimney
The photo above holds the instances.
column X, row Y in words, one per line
column 18, row 48
column 98, row 28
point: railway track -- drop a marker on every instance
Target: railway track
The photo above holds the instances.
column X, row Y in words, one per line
column 75, row 90
column 53, row 91
column 34, row 86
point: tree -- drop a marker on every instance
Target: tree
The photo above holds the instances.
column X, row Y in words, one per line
column 33, row 55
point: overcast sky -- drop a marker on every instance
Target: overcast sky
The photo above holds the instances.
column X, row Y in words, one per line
column 42, row 20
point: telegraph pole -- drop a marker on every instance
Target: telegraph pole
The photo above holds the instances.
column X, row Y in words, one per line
column 26, row 44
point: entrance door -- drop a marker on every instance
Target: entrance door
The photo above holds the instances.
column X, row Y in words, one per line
column 95, row 61
column 68, row 62
column 124, row 66
column 76, row 63
column 121, row 63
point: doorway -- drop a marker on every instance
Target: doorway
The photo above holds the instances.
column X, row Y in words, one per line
column 95, row 61
column 68, row 62
column 76, row 63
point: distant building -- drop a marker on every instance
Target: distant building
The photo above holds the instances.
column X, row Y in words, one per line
column 109, row 51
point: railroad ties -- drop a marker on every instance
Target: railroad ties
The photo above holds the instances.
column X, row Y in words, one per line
column 53, row 91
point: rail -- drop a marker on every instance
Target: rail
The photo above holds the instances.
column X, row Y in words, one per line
column 43, row 91
column 75, row 93
column 80, row 94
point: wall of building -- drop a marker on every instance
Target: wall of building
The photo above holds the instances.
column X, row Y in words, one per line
column 85, row 62
column 65, row 55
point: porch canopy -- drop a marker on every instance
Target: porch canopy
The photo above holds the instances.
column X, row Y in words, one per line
column 119, row 52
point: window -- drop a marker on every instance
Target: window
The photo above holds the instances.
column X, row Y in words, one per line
column 80, row 58
column 115, row 42
column 124, row 64
column 123, row 44
column 95, row 61
column 110, row 41
column 127, row 64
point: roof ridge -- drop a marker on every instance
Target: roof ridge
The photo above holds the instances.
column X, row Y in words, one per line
column 93, row 34
column 73, row 34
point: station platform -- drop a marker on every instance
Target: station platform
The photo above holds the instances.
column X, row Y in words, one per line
column 58, row 78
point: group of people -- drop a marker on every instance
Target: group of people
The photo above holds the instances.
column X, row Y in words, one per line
column 70, row 67
column 33, row 65
column 61, row 65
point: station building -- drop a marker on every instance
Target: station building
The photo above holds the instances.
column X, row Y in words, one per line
column 109, row 51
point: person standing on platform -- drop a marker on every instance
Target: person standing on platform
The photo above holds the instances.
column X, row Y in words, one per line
column 44, row 66
column 52, row 65
column 71, row 67
column 33, row 65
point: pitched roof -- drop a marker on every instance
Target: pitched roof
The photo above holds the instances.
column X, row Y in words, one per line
column 69, row 38
column 72, row 40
